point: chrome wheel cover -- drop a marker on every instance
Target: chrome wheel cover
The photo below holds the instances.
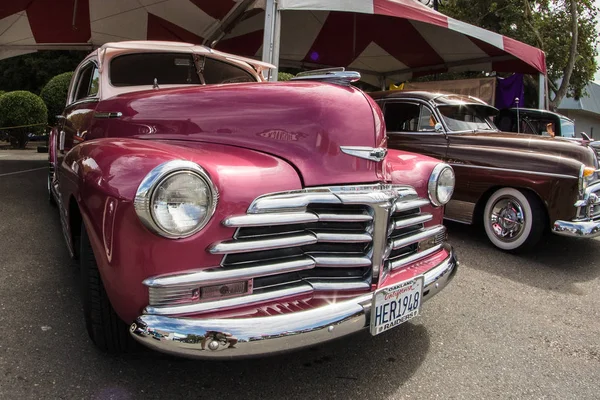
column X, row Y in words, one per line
column 507, row 219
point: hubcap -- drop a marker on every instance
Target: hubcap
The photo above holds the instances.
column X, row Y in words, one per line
column 507, row 219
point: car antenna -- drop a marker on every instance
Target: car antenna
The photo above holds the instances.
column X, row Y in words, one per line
column 155, row 86
column 518, row 120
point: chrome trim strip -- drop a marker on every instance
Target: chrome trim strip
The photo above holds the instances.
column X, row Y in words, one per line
column 102, row 115
column 397, row 264
column 336, row 237
column 344, row 286
column 345, row 217
column 274, row 218
column 220, row 275
column 246, row 337
column 409, row 205
column 247, row 245
column 269, row 219
column 225, row 304
column 341, row 262
column 419, row 219
column 291, row 201
column 415, row 238
column 454, row 165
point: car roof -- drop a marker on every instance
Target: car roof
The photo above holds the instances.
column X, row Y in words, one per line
column 439, row 97
column 179, row 47
column 536, row 111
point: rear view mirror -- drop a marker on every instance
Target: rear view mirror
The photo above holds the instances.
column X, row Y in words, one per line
column 438, row 128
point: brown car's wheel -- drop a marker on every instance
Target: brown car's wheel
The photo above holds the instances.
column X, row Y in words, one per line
column 108, row 332
column 514, row 220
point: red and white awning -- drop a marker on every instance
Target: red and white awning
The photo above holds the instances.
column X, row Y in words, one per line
column 395, row 39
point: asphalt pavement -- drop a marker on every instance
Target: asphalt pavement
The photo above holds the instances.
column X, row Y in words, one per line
column 507, row 327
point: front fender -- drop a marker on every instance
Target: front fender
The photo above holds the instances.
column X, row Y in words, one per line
column 109, row 172
column 405, row 168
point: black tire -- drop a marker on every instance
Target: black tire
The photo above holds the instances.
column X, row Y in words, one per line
column 532, row 216
column 108, row 332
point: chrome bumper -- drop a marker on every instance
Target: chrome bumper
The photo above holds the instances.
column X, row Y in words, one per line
column 232, row 338
column 580, row 229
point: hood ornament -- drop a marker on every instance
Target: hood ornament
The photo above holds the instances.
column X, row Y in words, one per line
column 368, row 153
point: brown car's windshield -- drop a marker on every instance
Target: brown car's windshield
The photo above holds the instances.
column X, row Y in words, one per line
column 460, row 118
column 173, row 69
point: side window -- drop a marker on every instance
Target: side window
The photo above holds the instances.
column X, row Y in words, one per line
column 87, row 82
column 426, row 120
column 401, row 117
column 94, row 86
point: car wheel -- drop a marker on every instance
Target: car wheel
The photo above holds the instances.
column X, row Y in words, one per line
column 108, row 332
column 514, row 220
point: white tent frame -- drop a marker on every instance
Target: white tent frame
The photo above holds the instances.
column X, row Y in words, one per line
column 272, row 41
column 271, row 45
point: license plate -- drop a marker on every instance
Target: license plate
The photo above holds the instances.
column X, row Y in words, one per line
column 395, row 305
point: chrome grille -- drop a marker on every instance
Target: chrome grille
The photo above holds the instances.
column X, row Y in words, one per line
column 323, row 239
column 588, row 208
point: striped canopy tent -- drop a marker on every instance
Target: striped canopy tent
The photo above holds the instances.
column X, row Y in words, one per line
column 386, row 40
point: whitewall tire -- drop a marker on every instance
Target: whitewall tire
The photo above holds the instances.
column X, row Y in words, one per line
column 513, row 219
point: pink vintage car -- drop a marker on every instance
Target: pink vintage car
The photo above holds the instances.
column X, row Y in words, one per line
column 214, row 214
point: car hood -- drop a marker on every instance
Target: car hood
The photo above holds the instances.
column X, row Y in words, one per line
column 304, row 123
column 556, row 148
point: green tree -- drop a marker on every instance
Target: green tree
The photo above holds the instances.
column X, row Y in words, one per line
column 54, row 95
column 32, row 71
column 284, row 76
column 564, row 29
column 22, row 108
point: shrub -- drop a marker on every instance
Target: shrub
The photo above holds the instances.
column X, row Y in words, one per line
column 2, row 92
column 22, row 108
column 54, row 95
column 284, row 76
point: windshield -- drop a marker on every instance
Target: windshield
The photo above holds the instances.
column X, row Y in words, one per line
column 466, row 118
column 567, row 128
column 173, row 69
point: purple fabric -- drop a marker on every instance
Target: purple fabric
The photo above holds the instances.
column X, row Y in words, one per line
column 508, row 89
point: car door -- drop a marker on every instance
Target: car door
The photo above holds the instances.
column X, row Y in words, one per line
column 74, row 123
column 411, row 126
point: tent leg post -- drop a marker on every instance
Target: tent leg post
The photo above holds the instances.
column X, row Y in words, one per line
column 272, row 37
column 542, row 92
column 382, row 81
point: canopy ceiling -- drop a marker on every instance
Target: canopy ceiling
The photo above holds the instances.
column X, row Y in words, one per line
column 396, row 39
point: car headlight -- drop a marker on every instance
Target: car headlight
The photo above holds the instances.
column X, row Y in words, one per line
column 176, row 199
column 441, row 184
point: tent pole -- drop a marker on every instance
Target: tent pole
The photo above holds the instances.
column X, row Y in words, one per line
column 272, row 37
column 542, row 92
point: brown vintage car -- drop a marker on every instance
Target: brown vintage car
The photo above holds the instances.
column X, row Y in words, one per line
column 519, row 186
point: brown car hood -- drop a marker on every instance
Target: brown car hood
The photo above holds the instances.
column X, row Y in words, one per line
column 507, row 145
